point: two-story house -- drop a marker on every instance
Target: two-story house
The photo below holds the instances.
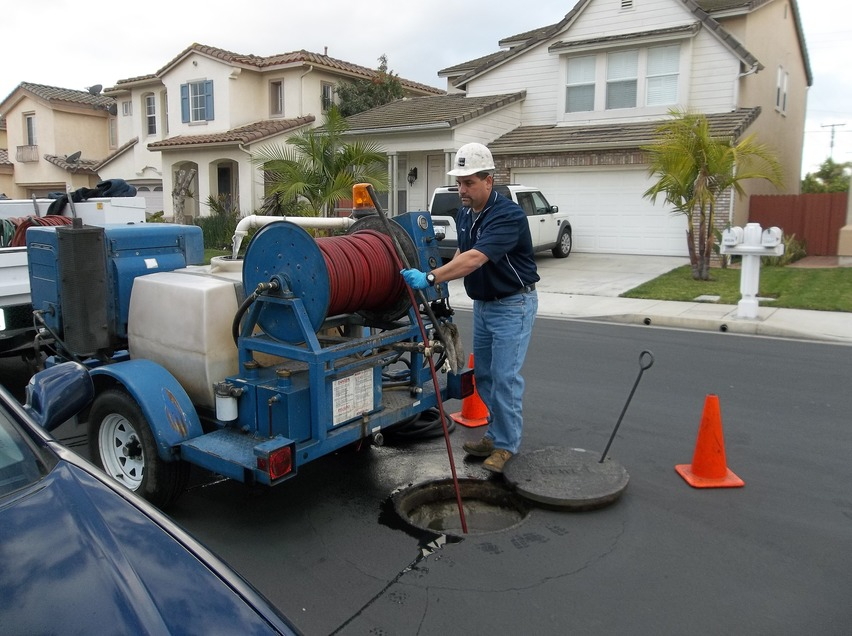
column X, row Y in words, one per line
column 204, row 114
column 56, row 138
column 569, row 106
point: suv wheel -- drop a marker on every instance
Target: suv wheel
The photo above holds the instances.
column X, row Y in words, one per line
column 563, row 245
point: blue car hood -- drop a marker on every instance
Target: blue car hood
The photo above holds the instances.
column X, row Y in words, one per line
column 75, row 557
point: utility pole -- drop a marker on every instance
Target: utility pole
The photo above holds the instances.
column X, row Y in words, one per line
column 831, row 149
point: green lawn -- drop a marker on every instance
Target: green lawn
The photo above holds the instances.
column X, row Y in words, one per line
column 827, row 289
column 208, row 254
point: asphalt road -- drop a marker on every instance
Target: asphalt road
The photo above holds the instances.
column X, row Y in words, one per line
column 774, row 557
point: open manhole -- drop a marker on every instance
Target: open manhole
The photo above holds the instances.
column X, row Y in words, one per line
column 432, row 506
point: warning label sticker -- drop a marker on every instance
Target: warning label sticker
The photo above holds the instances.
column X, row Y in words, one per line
column 352, row 396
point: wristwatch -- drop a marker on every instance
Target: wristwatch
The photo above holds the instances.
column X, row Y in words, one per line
column 430, row 278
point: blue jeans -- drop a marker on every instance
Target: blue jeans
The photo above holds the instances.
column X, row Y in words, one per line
column 501, row 335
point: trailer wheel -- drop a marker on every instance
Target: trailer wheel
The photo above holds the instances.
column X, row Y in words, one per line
column 563, row 245
column 122, row 444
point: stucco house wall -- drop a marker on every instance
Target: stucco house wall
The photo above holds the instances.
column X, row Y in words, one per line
column 66, row 122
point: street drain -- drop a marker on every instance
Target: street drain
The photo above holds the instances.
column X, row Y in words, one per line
column 432, row 506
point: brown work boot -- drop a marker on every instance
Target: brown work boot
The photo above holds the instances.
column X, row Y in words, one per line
column 481, row 448
column 497, row 460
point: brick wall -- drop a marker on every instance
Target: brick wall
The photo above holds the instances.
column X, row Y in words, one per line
column 506, row 163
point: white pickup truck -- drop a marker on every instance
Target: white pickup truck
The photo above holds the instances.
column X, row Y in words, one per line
column 549, row 228
column 16, row 312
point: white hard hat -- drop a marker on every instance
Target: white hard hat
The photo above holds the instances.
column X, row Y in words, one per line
column 470, row 159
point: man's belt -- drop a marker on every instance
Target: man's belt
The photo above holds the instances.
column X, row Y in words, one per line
column 526, row 289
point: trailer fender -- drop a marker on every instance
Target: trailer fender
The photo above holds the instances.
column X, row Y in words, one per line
column 168, row 409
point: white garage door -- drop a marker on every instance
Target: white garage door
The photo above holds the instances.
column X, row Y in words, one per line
column 153, row 196
column 607, row 211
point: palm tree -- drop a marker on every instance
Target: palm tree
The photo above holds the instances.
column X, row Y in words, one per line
column 318, row 168
column 694, row 169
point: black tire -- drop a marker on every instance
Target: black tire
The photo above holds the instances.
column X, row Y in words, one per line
column 563, row 245
column 122, row 444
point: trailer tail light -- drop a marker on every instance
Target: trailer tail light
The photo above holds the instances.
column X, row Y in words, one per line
column 277, row 464
column 460, row 385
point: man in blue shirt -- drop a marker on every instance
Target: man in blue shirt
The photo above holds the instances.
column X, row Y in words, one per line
column 496, row 259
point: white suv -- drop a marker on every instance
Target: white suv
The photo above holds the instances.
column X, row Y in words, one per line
column 549, row 227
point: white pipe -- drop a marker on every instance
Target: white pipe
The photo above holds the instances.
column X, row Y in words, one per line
column 302, row 90
column 318, row 222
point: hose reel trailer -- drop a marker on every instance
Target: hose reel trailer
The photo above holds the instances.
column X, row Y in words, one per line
column 313, row 346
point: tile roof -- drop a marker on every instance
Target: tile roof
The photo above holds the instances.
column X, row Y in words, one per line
column 249, row 133
column 599, row 136
column 470, row 65
column 127, row 83
column 81, row 166
column 117, row 152
column 520, row 38
column 55, row 95
column 726, row 5
column 301, row 57
column 612, row 39
column 423, row 113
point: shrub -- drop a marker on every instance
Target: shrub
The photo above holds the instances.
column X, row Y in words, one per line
column 218, row 228
column 794, row 250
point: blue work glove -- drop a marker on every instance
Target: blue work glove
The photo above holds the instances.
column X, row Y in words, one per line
column 415, row 278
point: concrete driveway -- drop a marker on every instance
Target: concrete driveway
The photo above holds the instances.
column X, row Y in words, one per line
column 601, row 274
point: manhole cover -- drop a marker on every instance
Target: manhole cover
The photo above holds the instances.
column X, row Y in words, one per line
column 566, row 478
column 432, row 506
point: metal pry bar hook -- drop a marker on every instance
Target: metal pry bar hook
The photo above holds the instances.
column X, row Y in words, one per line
column 646, row 361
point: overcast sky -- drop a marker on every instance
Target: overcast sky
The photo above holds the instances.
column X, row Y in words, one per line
column 78, row 43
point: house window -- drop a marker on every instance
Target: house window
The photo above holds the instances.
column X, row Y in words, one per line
column 781, row 90
column 276, row 97
column 126, row 108
column 113, row 132
column 196, row 101
column 580, row 92
column 29, row 126
column 626, row 78
column 151, row 114
column 662, row 75
column 621, row 79
column 327, row 96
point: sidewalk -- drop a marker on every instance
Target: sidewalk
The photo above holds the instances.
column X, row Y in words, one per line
column 587, row 286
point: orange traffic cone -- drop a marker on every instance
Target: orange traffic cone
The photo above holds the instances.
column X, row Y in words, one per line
column 473, row 412
column 709, row 468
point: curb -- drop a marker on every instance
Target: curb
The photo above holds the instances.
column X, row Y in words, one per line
column 732, row 325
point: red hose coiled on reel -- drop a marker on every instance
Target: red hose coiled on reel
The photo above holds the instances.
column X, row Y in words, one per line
column 19, row 239
column 362, row 271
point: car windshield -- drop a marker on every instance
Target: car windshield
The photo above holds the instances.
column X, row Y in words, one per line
column 19, row 465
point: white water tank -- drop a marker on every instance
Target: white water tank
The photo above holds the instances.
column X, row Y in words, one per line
column 182, row 321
